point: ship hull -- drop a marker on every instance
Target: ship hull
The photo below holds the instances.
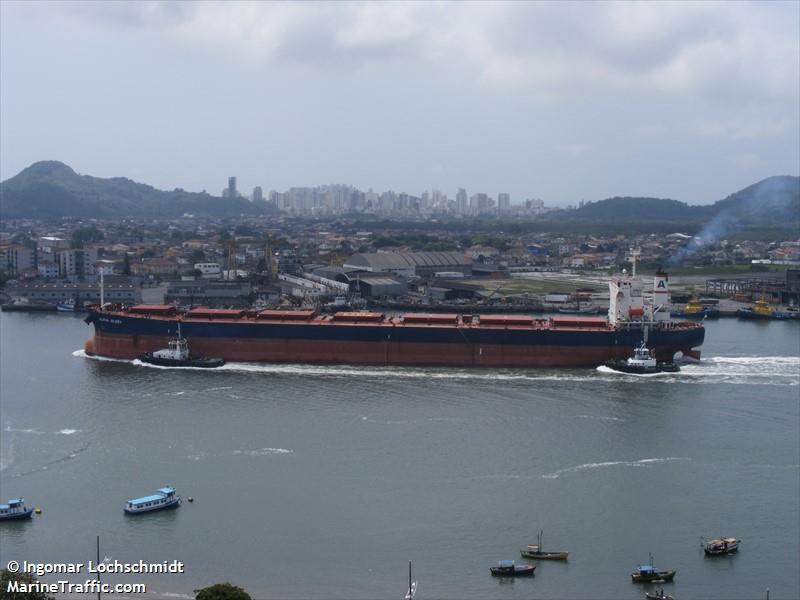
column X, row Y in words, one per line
column 125, row 336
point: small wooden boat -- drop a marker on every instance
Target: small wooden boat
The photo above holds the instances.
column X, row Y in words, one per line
column 412, row 585
column 507, row 568
column 649, row 574
column 535, row 551
column 658, row 595
column 721, row 546
column 163, row 498
column 14, row 510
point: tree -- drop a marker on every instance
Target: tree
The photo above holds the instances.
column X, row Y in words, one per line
column 6, row 577
column 222, row 591
column 83, row 235
column 126, row 265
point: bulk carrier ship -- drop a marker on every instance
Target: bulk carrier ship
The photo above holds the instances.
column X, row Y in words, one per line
column 418, row 339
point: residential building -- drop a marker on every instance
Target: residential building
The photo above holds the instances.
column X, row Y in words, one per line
column 76, row 262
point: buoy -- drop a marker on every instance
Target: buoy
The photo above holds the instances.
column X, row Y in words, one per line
column 37, row 510
column 190, row 499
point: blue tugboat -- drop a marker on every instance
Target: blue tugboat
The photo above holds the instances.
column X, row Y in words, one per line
column 507, row 568
column 163, row 498
column 15, row 509
column 696, row 310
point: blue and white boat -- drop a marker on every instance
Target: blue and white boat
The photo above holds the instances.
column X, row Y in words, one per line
column 68, row 305
column 15, row 509
column 163, row 498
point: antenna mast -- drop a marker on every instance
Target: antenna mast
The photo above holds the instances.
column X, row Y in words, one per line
column 635, row 253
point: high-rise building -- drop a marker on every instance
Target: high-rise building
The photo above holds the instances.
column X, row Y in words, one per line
column 232, row 193
column 258, row 194
column 478, row 203
column 503, row 202
column 461, row 201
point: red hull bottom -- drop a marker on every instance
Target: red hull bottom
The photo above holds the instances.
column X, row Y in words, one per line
column 367, row 353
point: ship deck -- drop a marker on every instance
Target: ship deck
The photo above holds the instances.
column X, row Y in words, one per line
column 362, row 319
column 168, row 313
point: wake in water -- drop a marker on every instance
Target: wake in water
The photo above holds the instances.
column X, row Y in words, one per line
column 745, row 370
column 641, row 463
column 255, row 452
column 82, row 354
column 37, row 432
column 644, row 462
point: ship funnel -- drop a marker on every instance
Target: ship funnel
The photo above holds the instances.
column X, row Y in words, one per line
column 660, row 294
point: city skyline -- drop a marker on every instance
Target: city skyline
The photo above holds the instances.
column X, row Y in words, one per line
column 564, row 102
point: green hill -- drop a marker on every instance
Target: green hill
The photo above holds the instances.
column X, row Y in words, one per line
column 771, row 203
column 629, row 207
column 51, row 189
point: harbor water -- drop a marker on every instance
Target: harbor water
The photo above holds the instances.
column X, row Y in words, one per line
column 322, row 482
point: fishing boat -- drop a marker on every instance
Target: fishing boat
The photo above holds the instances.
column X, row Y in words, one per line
column 535, row 551
column 658, row 595
column 507, row 568
column 68, row 305
column 178, row 355
column 163, row 498
column 643, row 362
column 649, row 574
column 15, row 509
column 721, row 546
column 412, row 585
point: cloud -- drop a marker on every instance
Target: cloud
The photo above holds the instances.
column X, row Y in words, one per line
column 574, row 150
column 747, row 160
column 671, row 47
column 744, row 127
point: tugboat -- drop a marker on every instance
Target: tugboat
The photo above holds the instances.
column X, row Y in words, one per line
column 15, row 509
column 177, row 355
column 696, row 310
column 762, row 310
column 163, row 498
column 507, row 568
column 643, row 362
column 649, row 574
column 721, row 546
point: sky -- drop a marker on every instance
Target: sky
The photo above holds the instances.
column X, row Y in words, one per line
column 563, row 101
